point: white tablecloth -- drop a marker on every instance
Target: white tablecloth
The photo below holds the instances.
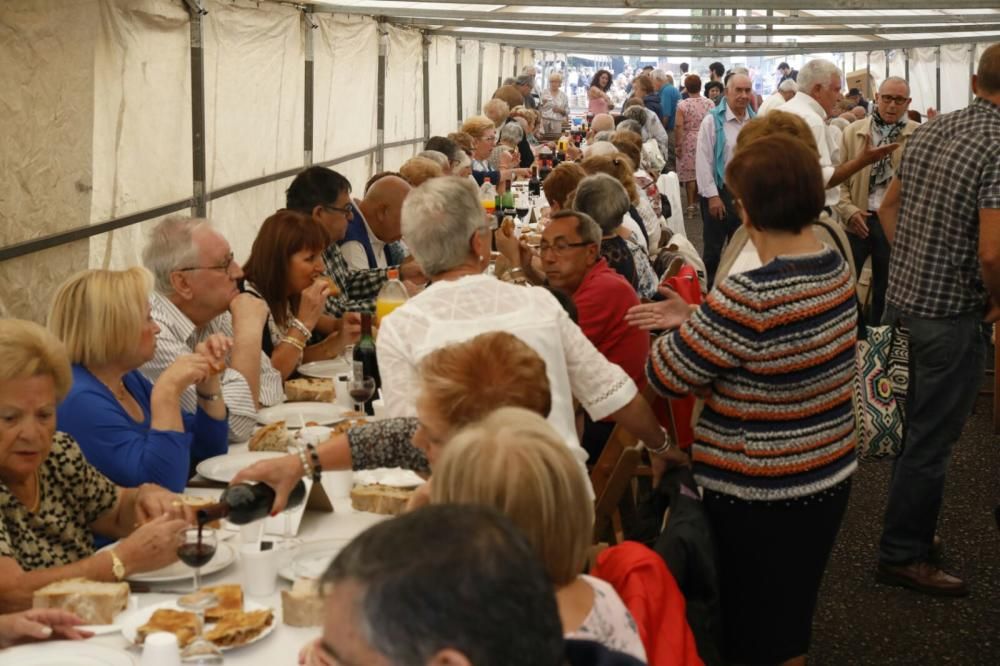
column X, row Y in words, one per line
column 670, row 187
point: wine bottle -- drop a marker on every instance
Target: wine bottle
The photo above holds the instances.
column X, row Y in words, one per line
column 246, row 502
column 365, row 360
column 534, row 185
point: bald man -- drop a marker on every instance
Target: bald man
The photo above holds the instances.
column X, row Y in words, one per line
column 374, row 229
column 602, row 122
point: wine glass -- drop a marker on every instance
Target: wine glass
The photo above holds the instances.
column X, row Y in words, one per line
column 361, row 391
column 196, row 548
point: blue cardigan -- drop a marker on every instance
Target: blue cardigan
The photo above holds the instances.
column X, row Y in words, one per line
column 131, row 453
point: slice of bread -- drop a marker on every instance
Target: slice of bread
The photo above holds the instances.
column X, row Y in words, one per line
column 272, row 437
column 95, row 602
column 303, row 605
column 384, row 500
column 310, row 389
column 230, row 600
column 182, row 624
column 239, row 628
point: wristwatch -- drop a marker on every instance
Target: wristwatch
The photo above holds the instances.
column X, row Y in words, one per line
column 117, row 566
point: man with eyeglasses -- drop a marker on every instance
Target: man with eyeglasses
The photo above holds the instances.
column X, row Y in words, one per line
column 195, row 295
column 571, row 260
column 862, row 193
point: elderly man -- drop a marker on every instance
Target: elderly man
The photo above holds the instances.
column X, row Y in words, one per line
column 602, row 122
column 195, row 295
column 785, row 92
column 862, row 194
column 716, row 142
column 373, row 229
column 820, row 83
column 325, row 195
column 942, row 212
column 525, row 85
column 384, row 582
column 670, row 97
column 572, row 262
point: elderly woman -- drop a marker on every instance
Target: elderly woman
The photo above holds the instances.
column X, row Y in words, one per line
column 417, row 170
column 131, row 430
column 652, row 127
column 506, row 154
column 560, row 183
column 285, row 269
column 640, row 217
column 554, row 106
column 599, row 99
column 514, row 462
column 690, row 113
column 484, row 137
column 630, row 145
column 775, row 445
column 459, row 384
column 445, row 229
column 52, row 499
column 605, row 199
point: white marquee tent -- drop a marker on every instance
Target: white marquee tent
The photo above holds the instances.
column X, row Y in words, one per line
column 119, row 112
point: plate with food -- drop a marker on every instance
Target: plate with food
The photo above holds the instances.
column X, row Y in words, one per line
column 311, row 559
column 223, row 468
column 301, row 414
column 67, row 653
column 234, row 623
column 329, row 369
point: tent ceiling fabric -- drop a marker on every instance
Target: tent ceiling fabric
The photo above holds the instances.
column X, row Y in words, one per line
column 666, row 27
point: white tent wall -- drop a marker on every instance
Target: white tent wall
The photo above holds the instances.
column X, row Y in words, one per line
column 142, row 79
column 471, row 104
column 491, row 71
column 876, row 64
column 955, row 79
column 47, row 79
column 404, row 98
column 923, row 72
column 443, row 86
column 897, row 63
column 508, row 62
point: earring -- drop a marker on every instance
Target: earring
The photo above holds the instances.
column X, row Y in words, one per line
column 481, row 257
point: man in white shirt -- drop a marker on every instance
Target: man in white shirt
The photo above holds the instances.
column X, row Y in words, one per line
column 375, row 224
column 820, row 83
column 714, row 151
column 785, row 92
column 195, row 295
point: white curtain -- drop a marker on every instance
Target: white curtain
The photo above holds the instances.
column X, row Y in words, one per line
column 443, row 86
column 491, row 72
column 471, row 106
column 897, row 63
column 923, row 83
column 508, row 65
column 955, row 77
column 404, row 97
column 877, row 64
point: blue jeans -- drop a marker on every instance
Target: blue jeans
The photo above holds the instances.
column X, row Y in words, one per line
column 716, row 232
column 876, row 246
column 947, row 364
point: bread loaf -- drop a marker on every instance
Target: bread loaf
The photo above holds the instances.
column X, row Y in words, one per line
column 380, row 499
column 310, row 389
column 272, row 437
column 303, row 605
column 95, row 602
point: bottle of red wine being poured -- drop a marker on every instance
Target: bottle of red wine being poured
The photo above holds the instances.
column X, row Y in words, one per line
column 246, row 502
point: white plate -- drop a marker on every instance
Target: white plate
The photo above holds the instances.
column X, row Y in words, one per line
column 295, row 414
column 225, row 555
column 67, row 653
column 311, row 559
column 330, row 369
column 223, row 468
column 132, row 620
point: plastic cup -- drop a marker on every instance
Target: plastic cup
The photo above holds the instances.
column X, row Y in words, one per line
column 250, row 533
column 259, row 570
column 160, row 649
column 338, row 484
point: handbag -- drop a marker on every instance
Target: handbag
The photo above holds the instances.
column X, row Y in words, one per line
column 880, row 384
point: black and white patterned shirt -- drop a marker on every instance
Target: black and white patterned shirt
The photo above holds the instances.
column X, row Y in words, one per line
column 73, row 495
column 358, row 288
column 949, row 172
column 178, row 335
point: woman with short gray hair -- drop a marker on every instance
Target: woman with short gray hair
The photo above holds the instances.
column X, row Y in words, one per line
column 445, row 227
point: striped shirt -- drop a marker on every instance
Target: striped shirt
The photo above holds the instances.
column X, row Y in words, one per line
column 358, row 288
column 772, row 353
column 950, row 170
column 178, row 336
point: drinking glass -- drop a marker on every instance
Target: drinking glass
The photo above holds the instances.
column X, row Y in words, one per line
column 361, row 391
column 196, row 547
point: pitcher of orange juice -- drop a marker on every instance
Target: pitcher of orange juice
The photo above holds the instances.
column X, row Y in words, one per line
column 391, row 296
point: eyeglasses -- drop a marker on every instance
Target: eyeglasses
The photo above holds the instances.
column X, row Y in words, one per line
column 560, row 246
column 346, row 212
column 894, row 99
column 224, row 267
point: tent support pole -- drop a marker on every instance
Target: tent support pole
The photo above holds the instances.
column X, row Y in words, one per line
column 458, row 77
column 906, row 65
column 307, row 111
column 427, row 86
column 199, row 207
column 937, row 79
column 972, row 70
column 479, row 79
column 383, row 49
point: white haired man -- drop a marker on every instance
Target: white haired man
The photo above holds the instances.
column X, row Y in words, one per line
column 195, row 295
column 785, row 92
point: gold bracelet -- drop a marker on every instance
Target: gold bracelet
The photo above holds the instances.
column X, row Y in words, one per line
column 301, row 346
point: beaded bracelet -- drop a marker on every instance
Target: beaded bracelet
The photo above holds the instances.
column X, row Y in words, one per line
column 317, row 469
column 667, row 444
column 300, row 327
column 306, row 471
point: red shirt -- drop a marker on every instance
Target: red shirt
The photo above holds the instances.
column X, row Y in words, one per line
column 602, row 300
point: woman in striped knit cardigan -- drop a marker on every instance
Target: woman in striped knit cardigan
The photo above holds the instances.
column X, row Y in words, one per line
column 771, row 351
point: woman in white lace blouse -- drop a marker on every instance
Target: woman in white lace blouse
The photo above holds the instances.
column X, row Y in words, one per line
column 445, row 227
column 512, row 461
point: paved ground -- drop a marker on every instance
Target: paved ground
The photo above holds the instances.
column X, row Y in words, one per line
column 861, row 622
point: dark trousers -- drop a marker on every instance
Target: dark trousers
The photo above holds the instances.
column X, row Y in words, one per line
column 875, row 246
column 947, row 363
column 716, row 232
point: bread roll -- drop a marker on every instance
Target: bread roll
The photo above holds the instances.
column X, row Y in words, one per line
column 303, row 605
column 310, row 390
column 380, row 499
column 272, row 437
column 95, row 602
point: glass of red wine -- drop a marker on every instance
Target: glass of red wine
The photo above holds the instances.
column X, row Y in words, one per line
column 196, row 547
column 361, row 391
